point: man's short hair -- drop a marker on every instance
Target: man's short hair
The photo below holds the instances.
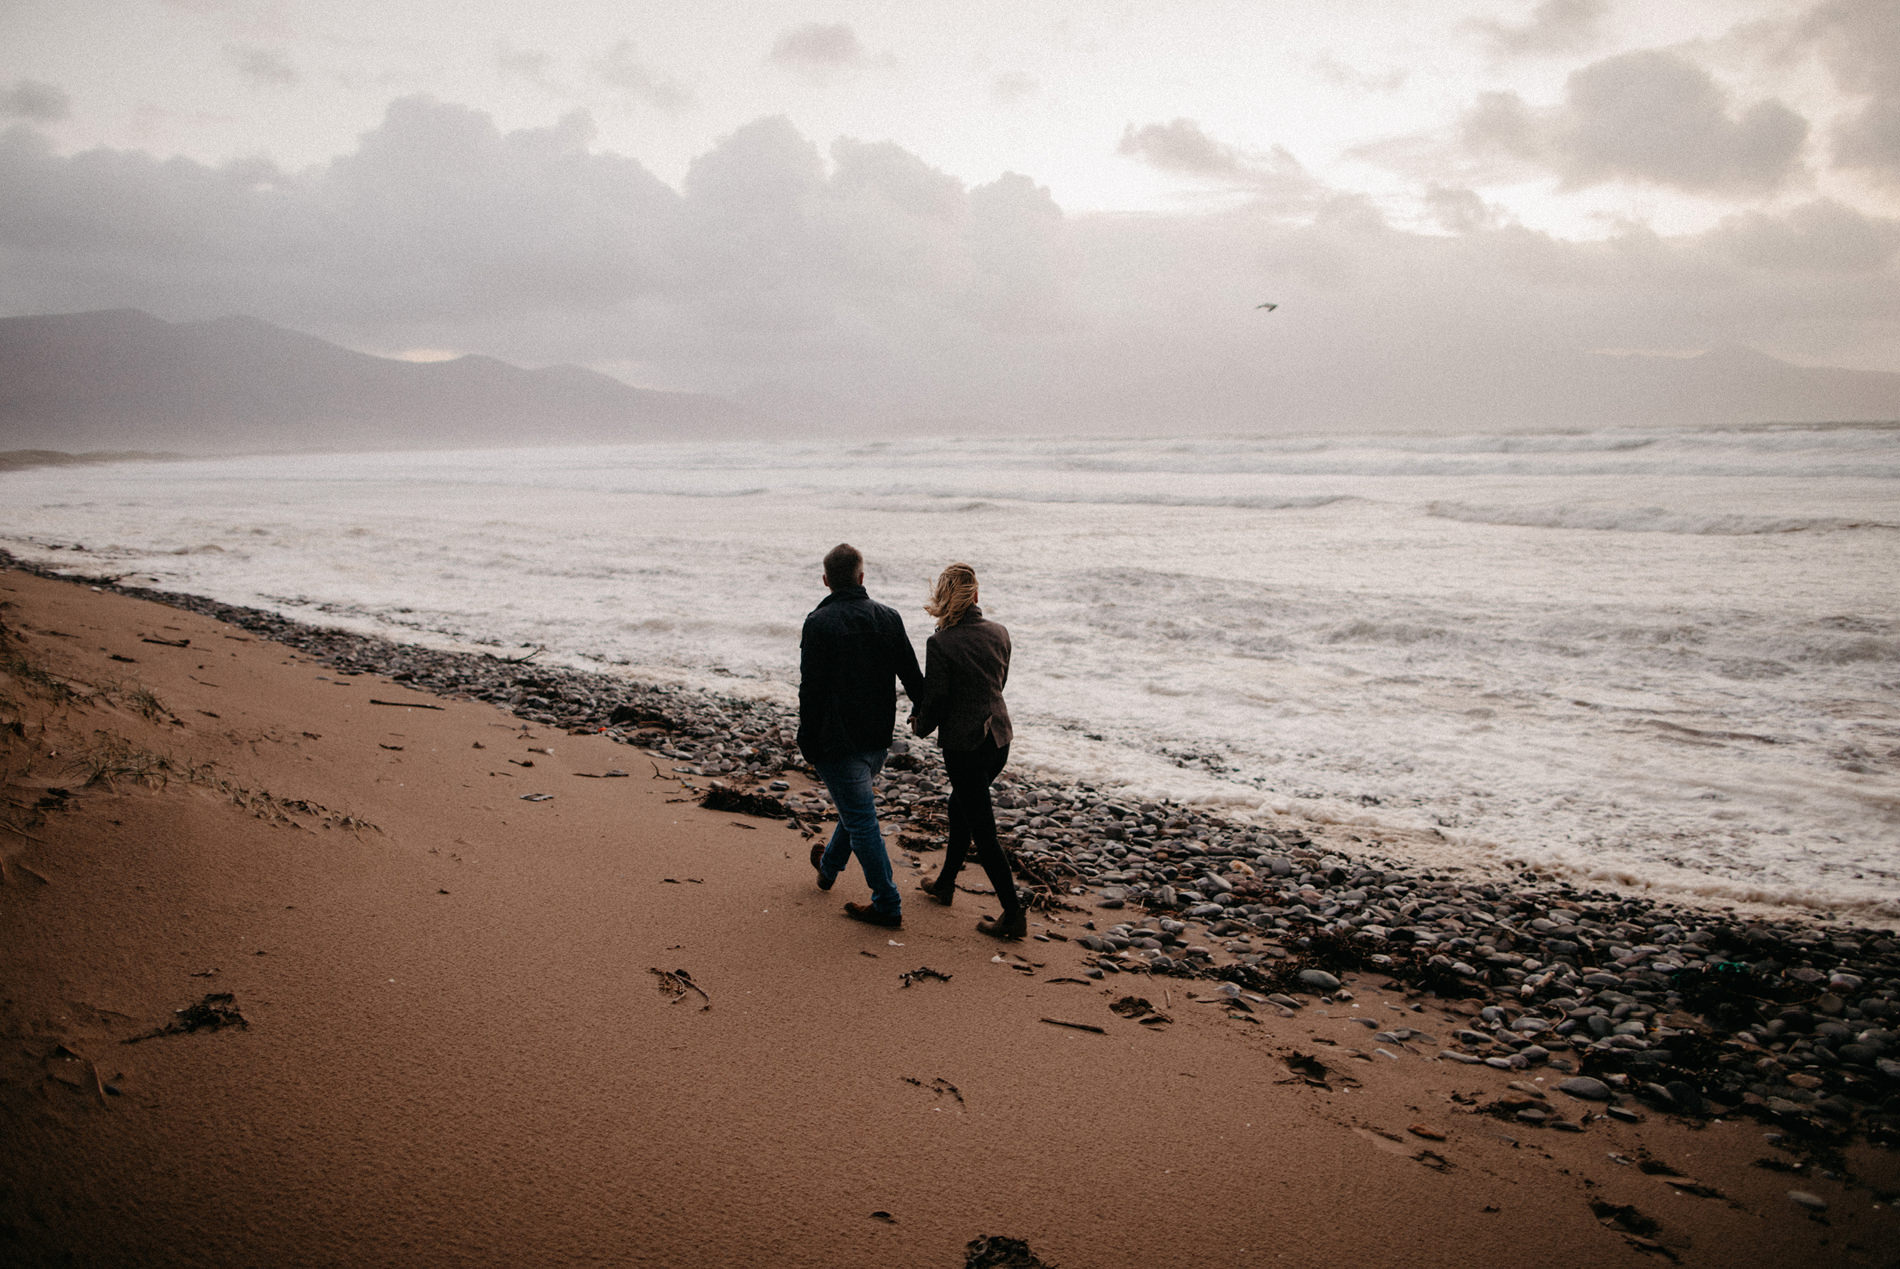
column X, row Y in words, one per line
column 844, row 564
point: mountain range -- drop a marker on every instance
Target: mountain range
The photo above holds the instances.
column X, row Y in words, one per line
column 121, row 379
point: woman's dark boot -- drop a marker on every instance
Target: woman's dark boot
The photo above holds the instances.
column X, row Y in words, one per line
column 1011, row 925
column 946, row 895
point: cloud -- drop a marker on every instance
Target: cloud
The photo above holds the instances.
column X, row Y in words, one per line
column 818, row 50
column 1555, row 26
column 1860, row 42
column 536, row 66
column 1333, row 71
column 1182, row 147
column 35, row 100
column 1459, row 211
column 1818, row 237
column 622, row 68
column 1011, row 87
column 859, row 275
column 264, row 67
column 1179, row 146
column 1648, row 116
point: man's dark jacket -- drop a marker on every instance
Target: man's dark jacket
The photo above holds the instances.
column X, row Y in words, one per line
column 852, row 654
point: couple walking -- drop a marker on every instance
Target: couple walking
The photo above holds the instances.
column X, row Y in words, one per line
column 852, row 654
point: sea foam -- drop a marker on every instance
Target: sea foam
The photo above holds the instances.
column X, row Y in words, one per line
column 1666, row 657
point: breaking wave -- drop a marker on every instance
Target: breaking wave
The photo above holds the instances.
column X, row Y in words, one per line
column 1647, row 520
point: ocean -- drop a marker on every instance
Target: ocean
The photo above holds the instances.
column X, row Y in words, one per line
column 1664, row 660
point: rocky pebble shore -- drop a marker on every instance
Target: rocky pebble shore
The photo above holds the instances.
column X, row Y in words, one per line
column 1636, row 1005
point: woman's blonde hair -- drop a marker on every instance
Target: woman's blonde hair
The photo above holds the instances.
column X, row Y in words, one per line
column 953, row 595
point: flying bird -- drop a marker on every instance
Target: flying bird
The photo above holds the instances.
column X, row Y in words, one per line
column 1268, row 307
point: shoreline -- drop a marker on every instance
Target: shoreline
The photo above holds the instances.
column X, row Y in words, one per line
column 1407, row 846
column 1212, row 898
column 1482, row 728
column 410, row 977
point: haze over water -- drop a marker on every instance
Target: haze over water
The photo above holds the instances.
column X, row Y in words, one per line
column 1666, row 658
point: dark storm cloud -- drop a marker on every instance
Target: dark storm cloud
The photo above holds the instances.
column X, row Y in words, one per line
column 1555, row 26
column 439, row 212
column 440, row 230
column 436, row 216
column 1648, row 116
column 262, row 66
column 36, row 101
column 861, row 277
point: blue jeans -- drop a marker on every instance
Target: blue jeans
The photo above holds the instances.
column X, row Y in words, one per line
column 848, row 777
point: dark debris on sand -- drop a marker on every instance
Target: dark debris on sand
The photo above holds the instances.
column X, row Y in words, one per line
column 1688, row 1011
column 215, row 1012
column 996, row 1252
column 722, row 798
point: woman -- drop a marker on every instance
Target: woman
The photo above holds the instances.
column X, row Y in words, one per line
column 966, row 664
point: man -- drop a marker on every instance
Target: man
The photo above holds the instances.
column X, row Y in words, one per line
column 851, row 654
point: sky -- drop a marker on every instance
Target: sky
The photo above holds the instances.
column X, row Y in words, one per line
column 969, row 213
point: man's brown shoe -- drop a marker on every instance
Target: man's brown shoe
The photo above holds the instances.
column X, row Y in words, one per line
column 1011, row 925
column 871, row 916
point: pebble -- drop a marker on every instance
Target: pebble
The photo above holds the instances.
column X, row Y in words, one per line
column 1813, row 1202
column 1591, row 978
column 1585, row 1088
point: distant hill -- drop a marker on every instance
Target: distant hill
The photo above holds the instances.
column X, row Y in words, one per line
column 1642, row 390
column 122, row 379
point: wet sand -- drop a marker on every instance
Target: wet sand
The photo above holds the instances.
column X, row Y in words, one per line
column 457, row 1051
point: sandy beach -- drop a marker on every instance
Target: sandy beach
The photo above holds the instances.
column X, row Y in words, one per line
column 495, row 1011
